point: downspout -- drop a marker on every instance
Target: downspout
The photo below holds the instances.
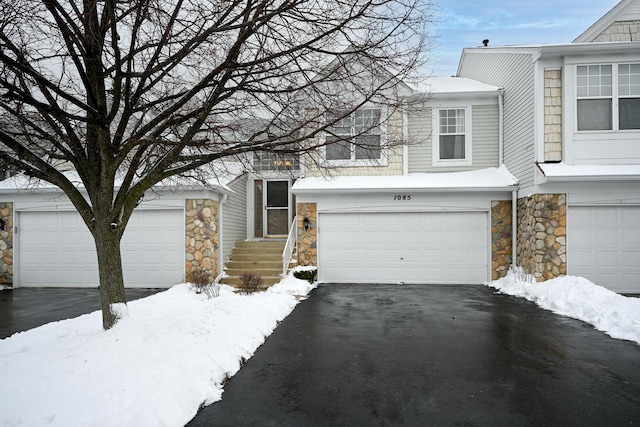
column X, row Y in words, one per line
column 514, row 228
column 500, row 126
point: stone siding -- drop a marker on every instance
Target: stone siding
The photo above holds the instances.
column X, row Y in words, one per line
column 307, row 239
column 201, row 243
column 6, row 244
column 621, row 31
column 501, row 243
column 542, row 220
column 552, row 115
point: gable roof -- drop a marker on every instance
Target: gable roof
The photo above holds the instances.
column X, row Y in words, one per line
column 459, row 86
column 626, row 10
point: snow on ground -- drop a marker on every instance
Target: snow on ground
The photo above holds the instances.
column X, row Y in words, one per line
column 156, row 367
column 616, row 315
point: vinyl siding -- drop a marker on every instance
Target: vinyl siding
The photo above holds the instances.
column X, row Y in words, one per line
column 315, row 165
column 234, row 216
column 484, row 142
column 515, row 73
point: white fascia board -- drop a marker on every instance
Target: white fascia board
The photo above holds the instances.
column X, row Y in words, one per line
column 561, row 172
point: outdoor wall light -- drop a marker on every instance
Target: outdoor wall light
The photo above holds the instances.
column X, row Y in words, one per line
column 306, row 223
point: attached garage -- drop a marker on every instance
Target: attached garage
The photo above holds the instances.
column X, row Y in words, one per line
column 56, row 249
column 403, row 247
column 603, row 243
column 419, row 228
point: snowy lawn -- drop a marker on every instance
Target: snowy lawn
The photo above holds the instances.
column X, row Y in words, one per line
column 616, row 315
column 156, row 367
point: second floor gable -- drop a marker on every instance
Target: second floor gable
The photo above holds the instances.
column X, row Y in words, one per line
column 448, row 124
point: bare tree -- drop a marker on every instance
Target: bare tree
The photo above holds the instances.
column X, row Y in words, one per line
column 131, row 92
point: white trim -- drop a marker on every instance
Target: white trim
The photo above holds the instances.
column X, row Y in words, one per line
column 353, row 162
column 435, row 140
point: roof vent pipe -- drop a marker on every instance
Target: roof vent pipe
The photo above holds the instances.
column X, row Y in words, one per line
column 485, row 42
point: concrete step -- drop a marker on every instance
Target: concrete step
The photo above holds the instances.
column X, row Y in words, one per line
column 257, row 250
column 264, row 244
column 254, row 264
column 237, row 272
column 255, row 257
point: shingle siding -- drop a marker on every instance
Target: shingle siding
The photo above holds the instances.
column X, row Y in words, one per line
column 515, row 73
column 622, row 31
column 234, row 216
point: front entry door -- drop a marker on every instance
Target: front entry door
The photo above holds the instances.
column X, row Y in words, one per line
column 272, row 208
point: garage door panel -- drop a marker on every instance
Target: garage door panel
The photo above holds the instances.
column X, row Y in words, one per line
column 604, row 245
column 422, row 247
column 56, row 249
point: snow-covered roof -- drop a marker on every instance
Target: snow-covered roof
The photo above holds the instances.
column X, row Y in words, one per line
column 452, row 85
column 219, row 176
column 563, row 172
column 478, row 180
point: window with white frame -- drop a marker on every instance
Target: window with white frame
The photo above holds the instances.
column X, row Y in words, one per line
column 452, row 137
column 356, row 137
column 608, row 97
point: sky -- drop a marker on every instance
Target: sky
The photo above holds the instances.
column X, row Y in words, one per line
column 459, row 24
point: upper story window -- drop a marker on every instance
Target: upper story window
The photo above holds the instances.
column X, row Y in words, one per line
column 452, row 137
column 356, row 138
column 608, row 97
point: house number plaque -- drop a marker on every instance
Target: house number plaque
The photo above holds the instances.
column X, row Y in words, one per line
column 402, row 197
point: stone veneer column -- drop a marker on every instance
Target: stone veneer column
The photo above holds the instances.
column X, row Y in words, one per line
column 201, row 242
column 501, row 233
column 6, row 244
column 552, row 115
column 307, row 239
column 542, row 220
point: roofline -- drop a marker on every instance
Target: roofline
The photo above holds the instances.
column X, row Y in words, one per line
column 590, row 178
column 51, row 189
column 405, row 189
column 560, row 49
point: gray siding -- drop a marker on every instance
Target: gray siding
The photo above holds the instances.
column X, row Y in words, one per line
column 234, row 213
column 484, row 142
column 419, row 138
column 515, row 73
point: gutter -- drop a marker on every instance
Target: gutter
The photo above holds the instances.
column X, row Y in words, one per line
column 501, row 126
column 514, row 228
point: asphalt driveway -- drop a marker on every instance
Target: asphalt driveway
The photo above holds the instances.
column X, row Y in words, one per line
column 369, row 355
column 26, row 308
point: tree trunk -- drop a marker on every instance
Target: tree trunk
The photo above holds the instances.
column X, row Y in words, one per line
column 110, row 272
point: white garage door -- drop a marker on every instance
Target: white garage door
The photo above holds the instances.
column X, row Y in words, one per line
column 56, row 249
column 604, row 246
column 420, row 247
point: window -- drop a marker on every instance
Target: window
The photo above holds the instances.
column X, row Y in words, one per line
column 452, row 137
column 608, row 97
column 357, row 137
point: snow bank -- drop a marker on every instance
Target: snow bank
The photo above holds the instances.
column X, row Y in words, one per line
column 156, row 367
column 577, row 297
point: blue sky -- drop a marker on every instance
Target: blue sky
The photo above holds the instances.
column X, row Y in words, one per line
column 461, row 24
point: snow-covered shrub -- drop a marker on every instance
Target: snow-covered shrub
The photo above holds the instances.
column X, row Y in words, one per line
column 202, row 283
column 250, row 283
